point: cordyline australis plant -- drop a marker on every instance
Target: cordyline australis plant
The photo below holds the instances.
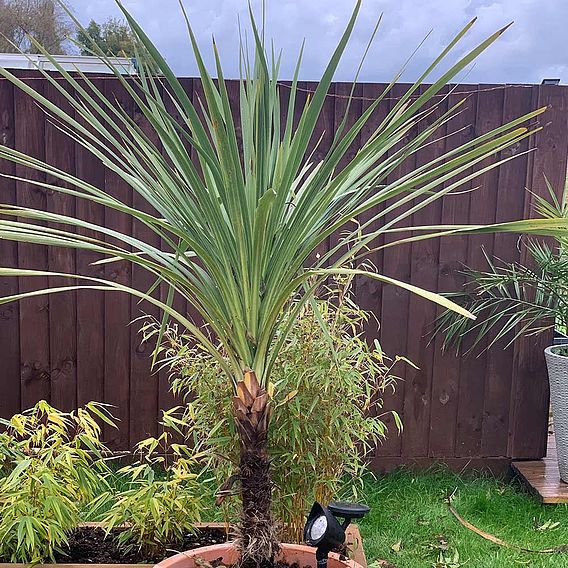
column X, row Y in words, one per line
column 243, row 219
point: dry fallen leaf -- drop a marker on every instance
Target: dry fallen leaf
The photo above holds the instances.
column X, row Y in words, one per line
column 382, row 564
column 549, row 525
column 396, row 546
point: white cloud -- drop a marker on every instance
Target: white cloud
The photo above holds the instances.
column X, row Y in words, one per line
column 533, row 48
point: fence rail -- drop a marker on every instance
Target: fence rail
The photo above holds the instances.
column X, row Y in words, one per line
column 481, row 411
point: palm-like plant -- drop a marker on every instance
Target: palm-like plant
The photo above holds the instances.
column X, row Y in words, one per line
column 512, row 299
column 243, row 219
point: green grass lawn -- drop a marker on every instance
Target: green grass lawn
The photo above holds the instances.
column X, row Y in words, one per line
column 410, row 524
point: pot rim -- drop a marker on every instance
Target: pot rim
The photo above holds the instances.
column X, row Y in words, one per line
column 217, row 549
column 550, row 351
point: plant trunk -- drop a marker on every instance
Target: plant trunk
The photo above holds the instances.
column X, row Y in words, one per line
column 257, row 541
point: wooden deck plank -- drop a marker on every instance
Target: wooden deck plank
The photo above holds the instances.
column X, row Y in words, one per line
column 542, row 476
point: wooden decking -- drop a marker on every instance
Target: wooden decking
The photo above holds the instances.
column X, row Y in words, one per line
column 542, row 476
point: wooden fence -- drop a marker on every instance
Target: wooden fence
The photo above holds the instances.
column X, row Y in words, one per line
column 476, row 411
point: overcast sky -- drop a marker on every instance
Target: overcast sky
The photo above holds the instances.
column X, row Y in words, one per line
column 535, row 47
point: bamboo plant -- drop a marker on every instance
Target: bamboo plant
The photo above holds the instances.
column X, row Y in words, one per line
column 242, row 219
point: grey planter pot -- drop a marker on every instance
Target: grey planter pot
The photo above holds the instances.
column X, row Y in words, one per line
column 558, row 378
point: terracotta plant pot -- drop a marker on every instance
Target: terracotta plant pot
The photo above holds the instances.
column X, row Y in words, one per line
column 353, row 542
column 290, row 553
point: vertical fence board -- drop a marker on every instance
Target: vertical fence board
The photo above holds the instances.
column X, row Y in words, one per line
column 144, row 395
column 9, row 313
column 166, row 399
column 453, row 251
column 34, row 312
column 483, row 202
column 509, row 207
column 346, row 112
column 520, row 345
column 369, row 291
column 117, row 305
column 60, row 152
column 324, row 132
column 395, row 301
column 194, row 88
column 91, row 304
column 424, row 261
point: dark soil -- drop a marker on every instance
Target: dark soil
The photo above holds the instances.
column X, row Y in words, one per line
column 88, row 545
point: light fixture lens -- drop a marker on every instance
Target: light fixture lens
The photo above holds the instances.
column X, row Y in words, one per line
column 318, row 528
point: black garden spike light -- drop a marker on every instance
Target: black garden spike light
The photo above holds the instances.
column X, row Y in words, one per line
column 324, row 532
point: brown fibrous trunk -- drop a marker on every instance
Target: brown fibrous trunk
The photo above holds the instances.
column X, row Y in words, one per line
column 257, row 540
